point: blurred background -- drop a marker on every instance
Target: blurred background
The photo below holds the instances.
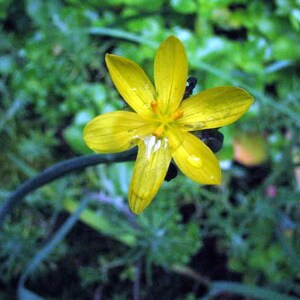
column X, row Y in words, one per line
column 239, row 240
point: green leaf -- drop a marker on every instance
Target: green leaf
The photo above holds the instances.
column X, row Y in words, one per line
column 7, row 64
column 73, row 136
column 184, row 6
column 295, row 18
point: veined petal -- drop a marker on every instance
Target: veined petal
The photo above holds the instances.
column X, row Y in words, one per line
column 150, row 169
column 195, row 159
column 214, row 107
column 132, row 83
column 170, row 74
column 115, row 131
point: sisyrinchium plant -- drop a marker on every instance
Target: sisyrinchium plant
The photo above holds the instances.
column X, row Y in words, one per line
column 161, row 123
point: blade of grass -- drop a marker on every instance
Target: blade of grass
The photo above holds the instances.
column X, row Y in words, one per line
column 22, row 165
column 121, row 34
column 219, row 287
column 11, row 111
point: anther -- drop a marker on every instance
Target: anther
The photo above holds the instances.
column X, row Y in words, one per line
column 154, row 106
column 159, row 131
column 176, row 115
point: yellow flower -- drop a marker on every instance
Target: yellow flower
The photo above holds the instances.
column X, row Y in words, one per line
column 161, row 122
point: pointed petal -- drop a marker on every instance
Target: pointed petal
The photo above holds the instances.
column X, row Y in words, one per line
column 149, row 172
column 170, row 73
column 132, row 83
column 115, row 131
column 214, row 107
column 195, row 159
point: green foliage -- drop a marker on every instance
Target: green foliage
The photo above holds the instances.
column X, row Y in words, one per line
column 19, row 242
column 165, row 240
column 53, row 79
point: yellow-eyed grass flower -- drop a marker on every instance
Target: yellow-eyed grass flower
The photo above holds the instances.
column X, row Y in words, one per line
column 161, row 123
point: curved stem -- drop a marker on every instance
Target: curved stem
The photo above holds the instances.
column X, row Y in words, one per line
column 58, row 170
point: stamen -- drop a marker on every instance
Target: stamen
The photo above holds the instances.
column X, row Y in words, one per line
column 154, row 106
column 176, row 115
column 159, row 131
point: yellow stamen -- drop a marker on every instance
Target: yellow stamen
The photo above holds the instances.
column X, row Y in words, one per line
column 154, row 106
column 176, row 115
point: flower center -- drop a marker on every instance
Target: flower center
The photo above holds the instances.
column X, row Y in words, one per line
column 164, row 120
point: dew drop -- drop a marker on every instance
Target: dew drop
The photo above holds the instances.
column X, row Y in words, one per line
column 133, row 89
column 212, row 177
column 195, row 161
column 146, row 86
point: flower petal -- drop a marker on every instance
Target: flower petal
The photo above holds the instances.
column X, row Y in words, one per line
column 195, row 159
column 149, row 172
column 115, row 131
column 131, row 82
column 170, row 73
column 214, row 107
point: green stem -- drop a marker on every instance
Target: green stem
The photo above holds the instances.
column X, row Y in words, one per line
column 58, row 170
